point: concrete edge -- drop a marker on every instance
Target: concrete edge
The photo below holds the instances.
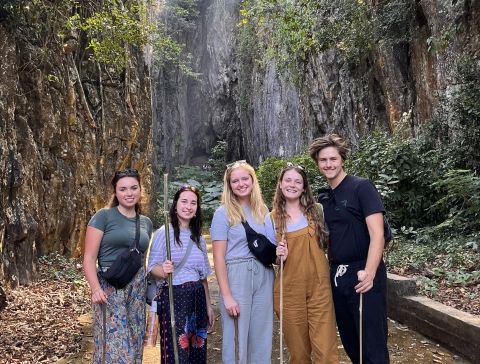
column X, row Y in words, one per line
column 457, row 330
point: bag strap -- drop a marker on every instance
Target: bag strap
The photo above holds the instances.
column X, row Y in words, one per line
column 182, row 262
column 362, row 217
column 137, row 232
column 185, row 257
column 327, row 194
column 248, row 228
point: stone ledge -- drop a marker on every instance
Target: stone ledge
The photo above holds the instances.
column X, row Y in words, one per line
column 457, row 330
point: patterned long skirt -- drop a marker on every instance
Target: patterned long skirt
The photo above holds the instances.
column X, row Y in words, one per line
column 120, row 340
column 191, row 322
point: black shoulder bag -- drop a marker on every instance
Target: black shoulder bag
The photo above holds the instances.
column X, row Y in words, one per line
column 260, row 246
column 127, row 264
column 327, row 194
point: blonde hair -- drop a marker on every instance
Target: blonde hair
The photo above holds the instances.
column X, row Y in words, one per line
column 235, row 213
column 307, row 204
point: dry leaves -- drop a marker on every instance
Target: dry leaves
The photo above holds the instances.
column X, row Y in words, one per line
column 40, row 323
column 464, row 298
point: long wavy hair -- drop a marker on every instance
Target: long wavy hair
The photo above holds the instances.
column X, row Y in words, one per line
column 196, row 222
column 307, row 204
column 230, row 201
column 129, row 172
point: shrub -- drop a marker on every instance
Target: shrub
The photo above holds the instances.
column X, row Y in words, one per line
column 218, row 159
column 210, row 191
column 269, row 171
column 433, row 207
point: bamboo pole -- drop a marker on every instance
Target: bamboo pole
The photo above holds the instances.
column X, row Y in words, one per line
column 237, row 346
column 169, row 257
column 281, row 306
column 360, row 308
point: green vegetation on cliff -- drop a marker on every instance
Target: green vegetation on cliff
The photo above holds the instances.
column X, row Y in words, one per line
column 112, row 28
column 291, row 31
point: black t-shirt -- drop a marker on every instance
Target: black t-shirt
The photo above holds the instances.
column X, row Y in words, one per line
column 345, row 209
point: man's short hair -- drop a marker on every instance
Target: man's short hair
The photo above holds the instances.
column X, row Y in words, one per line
column 329, row 140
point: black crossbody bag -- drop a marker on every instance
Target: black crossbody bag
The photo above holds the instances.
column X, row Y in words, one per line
column 327, row 194
column 127, row 264
column 260, row 246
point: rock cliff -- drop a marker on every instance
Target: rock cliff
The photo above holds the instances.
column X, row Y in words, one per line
column 65, row 126
column 260, row 115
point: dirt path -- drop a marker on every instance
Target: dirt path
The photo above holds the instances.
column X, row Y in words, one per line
column 405, row 346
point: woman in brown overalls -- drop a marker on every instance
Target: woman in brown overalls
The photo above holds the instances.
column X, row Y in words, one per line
column 308, row 314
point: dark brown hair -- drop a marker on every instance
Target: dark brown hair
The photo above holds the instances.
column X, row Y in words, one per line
column 196, row 222
column 128, row 172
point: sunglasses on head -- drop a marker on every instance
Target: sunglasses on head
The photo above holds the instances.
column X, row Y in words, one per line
column 128, row 172
column 189, row 188
column 230, row 165
column 291, row 165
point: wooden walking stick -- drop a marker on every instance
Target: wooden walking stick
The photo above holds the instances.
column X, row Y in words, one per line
column 281, row 306
column 237, row 348
column 169, row 257
column 360, row 326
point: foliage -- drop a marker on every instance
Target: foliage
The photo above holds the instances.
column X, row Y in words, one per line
column 210, row 191
column 459, row 192
column 402, row 170
column 218, row 159
column 439, row 43
column 112, row 29
column 466, row 109
column 177, row 17
column 37, row 21
column 292, row 30
column 269, row 171
column 119, row 25
column 454, row 261
column 434, row 206
column 454, row 133
column 430, row 193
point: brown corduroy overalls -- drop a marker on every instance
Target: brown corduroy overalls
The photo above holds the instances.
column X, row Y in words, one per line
column 308, row 313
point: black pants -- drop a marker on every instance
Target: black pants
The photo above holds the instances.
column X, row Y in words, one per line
column 191, row 323
column 346, row 301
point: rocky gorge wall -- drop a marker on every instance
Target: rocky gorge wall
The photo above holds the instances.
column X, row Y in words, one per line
column 66, row 123
column 191, row 113
column 65, row 126
column 261, row 115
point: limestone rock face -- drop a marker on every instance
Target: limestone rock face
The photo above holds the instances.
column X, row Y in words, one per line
column 191, row 114
column 406, row 79
column 63, row 132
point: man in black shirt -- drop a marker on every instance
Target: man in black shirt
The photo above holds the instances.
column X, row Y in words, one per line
column 353, row 213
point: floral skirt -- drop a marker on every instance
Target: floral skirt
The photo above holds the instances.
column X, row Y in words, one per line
column 191, row 322
column 119, row 325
